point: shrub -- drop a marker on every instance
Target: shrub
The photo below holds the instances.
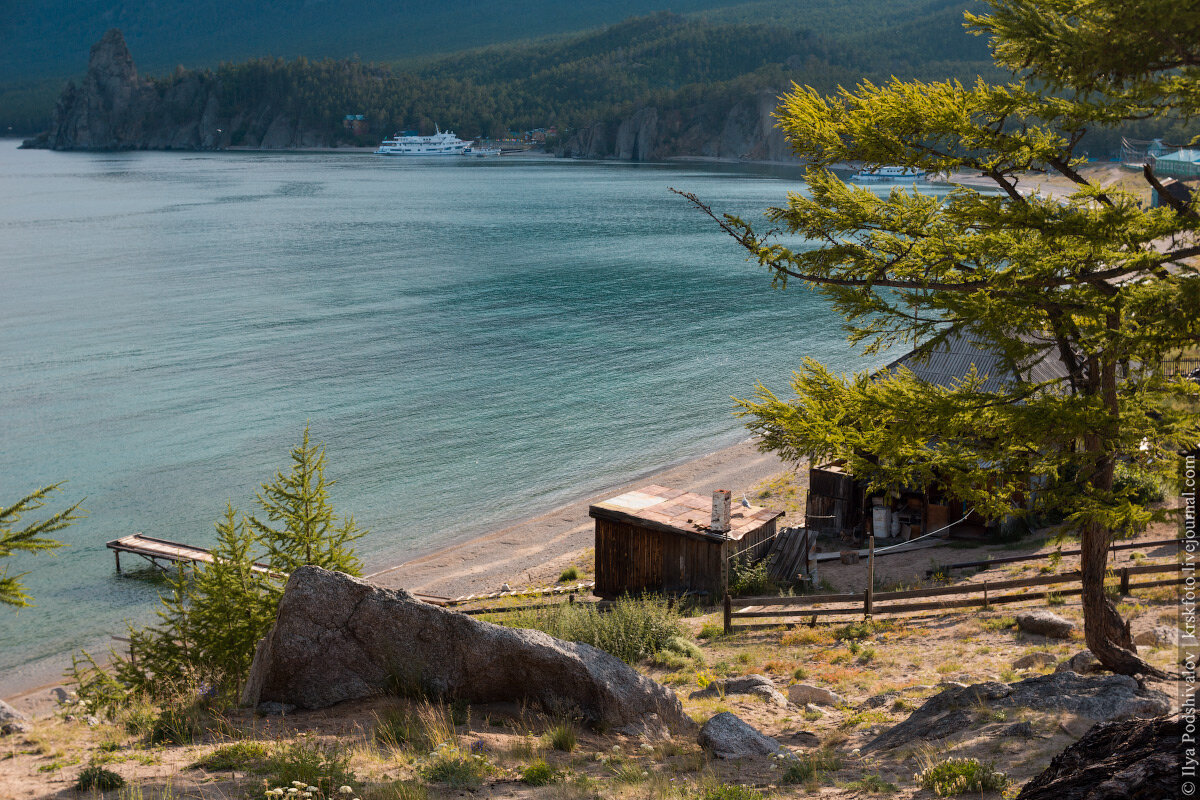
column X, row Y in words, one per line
column 312, row 763
column 423, row 726
column 809, row 766
column 872, row 784
column 632, row 628
column 710, row 631
column 714, row 790
column 457, row 769
column 245, row 756
column 960, row 776
column 746, row 578
column 569, row 574
column 1141, row 485
column 562, row 737
column 539, row 773
column 98, row 778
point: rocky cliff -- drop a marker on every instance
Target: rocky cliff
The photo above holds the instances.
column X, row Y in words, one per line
column 115, row 109
column 743, row 130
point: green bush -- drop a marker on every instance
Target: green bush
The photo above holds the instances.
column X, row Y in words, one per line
column 632, row 628
column 809, row 766
column 539, row 773
column 872, row 784
column 314, row 764
column 747, row 579
column 714, row 790
column 960, row 776
column 563, row 737
column 98, row 778
column 569, row 574
column 457, row 769
column 710, row 631
column 1141, row 485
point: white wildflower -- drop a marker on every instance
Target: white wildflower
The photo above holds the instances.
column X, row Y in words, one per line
column 346, row 790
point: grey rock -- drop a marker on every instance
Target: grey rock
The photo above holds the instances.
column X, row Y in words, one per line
column 954, row 710
column 272, row 709
column 803, row 694
column 881, row 700
column 726, row 736
column 757, row 685
column 1033, row 660
column 1116, row 761
column 1159, row 636
column 1018, row 730
column 812, row 708
column 61, row 695
column 1083, row 663
column 1045, row 623
column 339, row 638
column 12, row 721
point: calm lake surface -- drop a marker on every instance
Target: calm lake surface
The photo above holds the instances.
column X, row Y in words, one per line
column 472, row 340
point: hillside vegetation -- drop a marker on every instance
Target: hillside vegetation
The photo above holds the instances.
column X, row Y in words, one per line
column 663, row 58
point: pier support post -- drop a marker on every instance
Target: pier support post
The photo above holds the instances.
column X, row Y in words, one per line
column 117, row 555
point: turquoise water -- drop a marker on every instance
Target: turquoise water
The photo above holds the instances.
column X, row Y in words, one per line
column 472, row 340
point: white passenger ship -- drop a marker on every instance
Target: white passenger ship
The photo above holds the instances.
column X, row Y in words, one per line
column 442, row 143
column 890, row 174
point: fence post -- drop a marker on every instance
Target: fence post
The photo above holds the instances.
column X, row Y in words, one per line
column 571, row 599
column 867, row 603
column 1124, row 581
column 870, row 572
column 728, row 613
column 986, row 604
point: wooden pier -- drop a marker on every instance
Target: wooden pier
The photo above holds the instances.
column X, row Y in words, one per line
column 160, row 550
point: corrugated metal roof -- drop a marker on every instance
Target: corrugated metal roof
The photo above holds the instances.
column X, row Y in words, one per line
column 951, row 361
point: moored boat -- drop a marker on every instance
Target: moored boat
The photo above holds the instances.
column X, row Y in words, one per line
column 881, row 174
column 407, row 143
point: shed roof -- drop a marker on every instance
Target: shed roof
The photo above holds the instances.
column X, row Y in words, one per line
column 951, row 361
column 678, row 511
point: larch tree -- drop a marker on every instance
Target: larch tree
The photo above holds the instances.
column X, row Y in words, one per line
column 30, row 538
column 1092, row 279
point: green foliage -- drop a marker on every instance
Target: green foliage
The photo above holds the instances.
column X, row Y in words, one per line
column 457, row 769
column 632, row 628
column 539, row 773
column 422, row 726
column 1140, row 485
column 710, row 631
column 29, row 539
column 747, row 578
column 872, row 784
column 301, row 527
column 244, row 756
column 97, row 778
column 809, row 766
column 562, row 736
column 569, row 574
column 1082, row 283
column 716, row 790
column 960, row 776
column 307, row 760
column 213, row 614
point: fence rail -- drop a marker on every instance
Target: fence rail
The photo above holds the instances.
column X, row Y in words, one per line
column 865, row 602
column 1043, row 556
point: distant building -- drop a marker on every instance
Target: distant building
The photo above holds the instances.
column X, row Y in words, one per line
column 357, row 123
column 1183, row 191
column 1183, row 163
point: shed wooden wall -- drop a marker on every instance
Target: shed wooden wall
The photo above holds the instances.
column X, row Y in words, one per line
column 631, row 559
column 831, row 504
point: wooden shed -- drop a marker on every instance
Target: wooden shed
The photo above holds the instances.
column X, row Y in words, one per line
column 664, row 540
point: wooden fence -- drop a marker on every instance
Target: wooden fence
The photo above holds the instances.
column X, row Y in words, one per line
column 864, row 603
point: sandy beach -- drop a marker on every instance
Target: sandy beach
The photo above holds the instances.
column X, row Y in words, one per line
column 535, row 551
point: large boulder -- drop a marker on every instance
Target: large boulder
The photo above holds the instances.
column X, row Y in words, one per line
column 757, row 685
column 803, row 694
column 1045, row 623
column 1033, row 660
column 1138, row 758
column 727, row 736
column 956, row 709
column 1159, row 636
column 339, row 638
column 1082, row 662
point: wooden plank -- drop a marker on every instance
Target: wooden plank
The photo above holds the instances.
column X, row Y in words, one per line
column 1041, row 556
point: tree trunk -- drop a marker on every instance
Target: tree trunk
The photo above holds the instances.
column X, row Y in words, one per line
column 1107, row 635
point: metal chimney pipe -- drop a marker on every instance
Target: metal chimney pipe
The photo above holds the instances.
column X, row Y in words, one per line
column 721, row 509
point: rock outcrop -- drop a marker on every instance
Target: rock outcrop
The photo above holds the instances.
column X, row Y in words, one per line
column 758, row 685
column 1140, row 758
column 338, row 638
column 727, row 736
column 802, row 694
column 113, row 108
column 11, row 720
column 743, row 130
column 955, row 709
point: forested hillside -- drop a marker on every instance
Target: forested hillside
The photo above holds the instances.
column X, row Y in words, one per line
column 531, row 82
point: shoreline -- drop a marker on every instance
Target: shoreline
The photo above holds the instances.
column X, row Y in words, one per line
column 531, row 551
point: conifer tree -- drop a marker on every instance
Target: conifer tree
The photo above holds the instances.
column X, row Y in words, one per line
column 301, row 527
column 29, row 539
column 1096, row 281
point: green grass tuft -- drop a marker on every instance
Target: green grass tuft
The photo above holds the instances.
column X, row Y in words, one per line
column 960, row 776
column 99, row 779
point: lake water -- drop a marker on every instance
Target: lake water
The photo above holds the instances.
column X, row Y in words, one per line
column 471, row 340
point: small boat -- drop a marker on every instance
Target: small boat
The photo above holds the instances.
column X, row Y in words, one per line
column 882, row 174
column 408, row 143
column 481, row 152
